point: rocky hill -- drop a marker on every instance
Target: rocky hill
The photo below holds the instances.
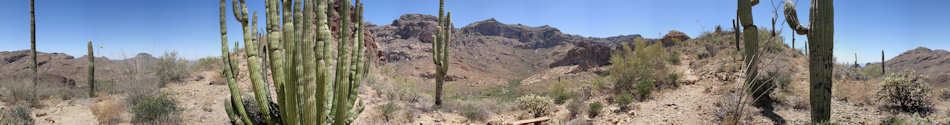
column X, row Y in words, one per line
column 933, row 63
column 62, row 68
column 487, row 52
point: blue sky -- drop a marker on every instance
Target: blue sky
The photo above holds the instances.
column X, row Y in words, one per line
column 190, row 27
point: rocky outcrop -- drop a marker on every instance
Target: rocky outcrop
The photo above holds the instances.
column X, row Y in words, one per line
column 935, row 64
column 586, row 56
column 416, row 26
column 673, row 34
column 534, row 37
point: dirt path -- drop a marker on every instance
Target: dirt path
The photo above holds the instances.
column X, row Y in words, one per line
column 688, row 104
column 69, row 112
column 201, row 102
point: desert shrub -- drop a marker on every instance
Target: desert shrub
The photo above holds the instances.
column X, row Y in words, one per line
column 594, row 109
column 171, row 68
column 507, row 92
column 107, row 112
column 388, row 109
column 473, row 112
column 903, row 119
column 674, row 58
column 871, row 71
column 674, row 77
column 208, row 63
column 575, row 107
column 629, row 67
column 18, row 115
column 623, row 99
column 160, row 108
column 561, row 92
column 644, row 88
column 536, row 105
column 908, row 91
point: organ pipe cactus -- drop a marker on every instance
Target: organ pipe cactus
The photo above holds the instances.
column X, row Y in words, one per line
column 236, row 101
column 92, row 70
column 297, row 53
column 820, row 33
column 440, row 50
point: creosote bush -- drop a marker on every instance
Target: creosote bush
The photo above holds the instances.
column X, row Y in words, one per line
column 388, row 109
column 161, row 109
column 623, row 99
column 634, row 65
column 594, row 109
column 644, row 88
column 17, row 115
column 561, row 92
column 171, row 68
column 907, row 91
column 536, row 105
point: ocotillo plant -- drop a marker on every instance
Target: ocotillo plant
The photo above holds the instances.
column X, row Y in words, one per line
column 440, row 51
column 821, row 32
column 751, row 37
column 92, row 70
column 297, row 53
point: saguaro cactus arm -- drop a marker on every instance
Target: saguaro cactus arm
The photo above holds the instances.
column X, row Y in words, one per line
column 791, row 16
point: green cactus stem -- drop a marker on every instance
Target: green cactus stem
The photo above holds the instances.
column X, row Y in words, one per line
column 236, row 100
column 821, row 33
column 92, row 70
column 253, row 59
column 440, row 50
column 883, row 72
column 33, row 48
column 751, row 37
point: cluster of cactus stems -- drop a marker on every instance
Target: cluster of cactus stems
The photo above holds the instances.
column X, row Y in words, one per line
column 440, row 50
column 298, row 57
column 821, row 32
column 92, row 70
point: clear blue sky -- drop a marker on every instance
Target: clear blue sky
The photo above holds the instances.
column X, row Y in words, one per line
column 191, row 26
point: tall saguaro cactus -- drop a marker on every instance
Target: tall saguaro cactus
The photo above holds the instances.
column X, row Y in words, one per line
column 92, row 70
column 297, row 53
column 883, row 72
column 751, row 36
column 820, row 33
column 440, row 50
column 33, row 46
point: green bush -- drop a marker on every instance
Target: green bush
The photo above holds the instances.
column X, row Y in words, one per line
column 154, row 108
column 644, row 88
column 561, row 92
column 902, row 119
column 536, row 105
column 623, row 99
column 18, row 115
column 908, row 91
column 675, row 58
column 674, row 77
column 171, row 68
column 871, row 71
column 388, row 110
column 594, row 109
column 575, row 107
column 629, row 67
column 473, row 112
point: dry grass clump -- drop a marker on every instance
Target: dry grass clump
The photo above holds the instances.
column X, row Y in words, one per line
column 108, row 112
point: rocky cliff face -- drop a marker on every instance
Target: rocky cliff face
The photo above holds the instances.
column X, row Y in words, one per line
column 932, row 63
